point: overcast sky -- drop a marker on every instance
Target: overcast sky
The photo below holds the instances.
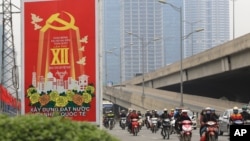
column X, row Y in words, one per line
column 241, row 18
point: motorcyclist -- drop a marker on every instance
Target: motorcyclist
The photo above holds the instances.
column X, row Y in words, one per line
column 128, row 116
column 177, row 115
column 156, row 115
column 202, row 114
column 235, row 115
column 139, row 113
column 147, row 114
column 207, row 117
column 245, row 115
column 165, row 115
column 171, row 113
column 183, row 116
column 122, row 114
column 133, row 115
column 109, row 114
column 214, row 114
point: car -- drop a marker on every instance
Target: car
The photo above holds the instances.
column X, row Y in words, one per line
column 192, row 116
column 224, row 121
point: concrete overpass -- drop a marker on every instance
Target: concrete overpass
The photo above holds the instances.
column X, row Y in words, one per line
column 131, row 96
column 220, row 72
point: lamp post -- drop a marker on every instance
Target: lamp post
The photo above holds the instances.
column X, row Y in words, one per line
column 192, row 38
column 179, row 9
column 143, row 46
column 233, row 19
column 106, row 64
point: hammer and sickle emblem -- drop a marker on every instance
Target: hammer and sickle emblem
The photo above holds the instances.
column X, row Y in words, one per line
column 55, row 18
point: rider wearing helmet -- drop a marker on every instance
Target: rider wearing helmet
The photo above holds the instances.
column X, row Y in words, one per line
column 245, row 115
column 171, row 113
column 165, row 115
column 235, row 115
column 214, row 114
column 183, row 116
column 133, row 115
column 147, row 116
column 122, row 114
column 207, row 117
column 177, row 115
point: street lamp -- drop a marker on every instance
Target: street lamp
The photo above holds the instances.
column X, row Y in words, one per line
column 106, row 64
column 179, row 9
column 143, row 46
column 192, row 28
column 233, row 19
column 197, row 30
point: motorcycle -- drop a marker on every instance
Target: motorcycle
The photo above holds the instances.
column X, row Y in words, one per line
column 154, row 122
column 147, row 122
column 123, row 122
column 111, row 123
column 237, row 122
column 166, row 128
column 172, row 126
column 211, row 131
column 135, row 126
column 140, row 121
column 186, row 133
column 246, row 122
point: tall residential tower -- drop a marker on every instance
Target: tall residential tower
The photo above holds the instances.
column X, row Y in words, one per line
column 141, row 37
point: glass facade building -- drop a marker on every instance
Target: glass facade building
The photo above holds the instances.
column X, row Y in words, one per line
column 111, row 41
column 141, row 37
column 213, row 17
column 144, row 35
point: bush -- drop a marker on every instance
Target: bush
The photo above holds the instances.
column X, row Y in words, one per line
column 40, row 128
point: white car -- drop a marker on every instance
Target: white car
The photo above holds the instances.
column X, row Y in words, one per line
column 192, row 116
column 224, row 121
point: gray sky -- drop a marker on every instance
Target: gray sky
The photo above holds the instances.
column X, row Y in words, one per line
column 241, row 18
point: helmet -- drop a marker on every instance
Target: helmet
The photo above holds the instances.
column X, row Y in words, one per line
column 172, row 110
column 212, row 110
column 244, row 108
column 130, row 109
column 235, row 110
column 208, row 110
column 165, row 109
column 184, row 112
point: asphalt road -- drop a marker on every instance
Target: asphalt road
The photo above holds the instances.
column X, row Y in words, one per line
column 147, row 135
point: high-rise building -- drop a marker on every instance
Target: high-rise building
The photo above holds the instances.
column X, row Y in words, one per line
column 141, row 37
column 171, row 21
column 132, row 27
column 213, row 17
column 111, row 41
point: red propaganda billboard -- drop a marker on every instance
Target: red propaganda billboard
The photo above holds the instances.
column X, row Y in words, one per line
column 59, row 58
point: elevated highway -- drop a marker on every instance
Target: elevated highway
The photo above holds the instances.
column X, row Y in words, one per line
column 222, row 72
column 131, row 96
